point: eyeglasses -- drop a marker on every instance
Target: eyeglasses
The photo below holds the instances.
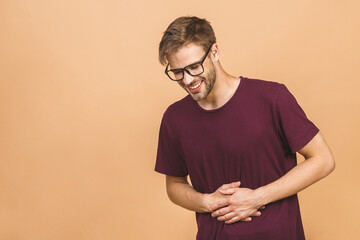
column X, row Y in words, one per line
column 193, row 69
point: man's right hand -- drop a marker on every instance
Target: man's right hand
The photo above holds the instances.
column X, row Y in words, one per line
column 210, row 199
column 214, row 197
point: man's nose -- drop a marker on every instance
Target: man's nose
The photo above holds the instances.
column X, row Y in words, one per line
column 187, row 78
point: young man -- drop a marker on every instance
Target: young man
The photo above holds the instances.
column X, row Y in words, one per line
column 237, row 139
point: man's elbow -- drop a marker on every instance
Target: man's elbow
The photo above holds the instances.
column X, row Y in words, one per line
column 329, row 165
column 170, row 189
column 332, row 165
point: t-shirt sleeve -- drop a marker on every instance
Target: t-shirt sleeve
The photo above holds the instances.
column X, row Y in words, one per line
column 169, row 160
column 293, row 124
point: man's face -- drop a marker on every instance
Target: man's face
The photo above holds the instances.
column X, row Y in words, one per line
column 199, row 87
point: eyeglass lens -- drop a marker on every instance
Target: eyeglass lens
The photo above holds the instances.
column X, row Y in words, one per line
column 193, row 70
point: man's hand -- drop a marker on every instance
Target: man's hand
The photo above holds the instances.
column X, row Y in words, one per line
column 212, row 198
column 239, row 206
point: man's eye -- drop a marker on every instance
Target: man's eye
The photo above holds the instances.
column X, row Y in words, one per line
column 196, row 66
column 177, row 72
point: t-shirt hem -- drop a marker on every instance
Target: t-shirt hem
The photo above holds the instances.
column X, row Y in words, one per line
column 170, row 172
column 308, row 137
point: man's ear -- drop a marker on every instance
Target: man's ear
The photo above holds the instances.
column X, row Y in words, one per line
column 214, row 52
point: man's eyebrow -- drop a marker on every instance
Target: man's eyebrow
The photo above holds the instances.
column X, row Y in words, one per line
column 185, row 66
column 194, row 63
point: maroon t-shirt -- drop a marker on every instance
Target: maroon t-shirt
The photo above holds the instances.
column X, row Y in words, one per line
column 253, row 138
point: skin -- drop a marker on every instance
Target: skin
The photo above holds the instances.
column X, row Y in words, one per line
column 217, row 87
column 231, row 203
column 319, row 163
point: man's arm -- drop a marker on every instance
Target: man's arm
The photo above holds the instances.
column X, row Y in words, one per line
column 319, row 162
column 181, row 193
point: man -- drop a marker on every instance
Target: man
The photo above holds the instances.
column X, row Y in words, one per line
column 237, row 140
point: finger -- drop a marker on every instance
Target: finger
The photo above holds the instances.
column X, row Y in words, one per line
column 256, row 214
column 248, row 219
column 228, row 191
column 219, row 204
column 222, row 211
column 231, row 185
column 263, row 207
column 233, row 220
column 226, row 217
column 237, row 218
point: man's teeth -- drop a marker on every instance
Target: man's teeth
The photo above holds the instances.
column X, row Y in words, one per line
column 196, row 86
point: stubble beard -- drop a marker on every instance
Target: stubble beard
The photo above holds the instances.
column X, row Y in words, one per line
column 208, row 83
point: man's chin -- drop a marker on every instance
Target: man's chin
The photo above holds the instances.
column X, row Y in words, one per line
column 196, row 97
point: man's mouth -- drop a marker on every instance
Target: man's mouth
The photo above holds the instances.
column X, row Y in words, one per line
column 196, row 87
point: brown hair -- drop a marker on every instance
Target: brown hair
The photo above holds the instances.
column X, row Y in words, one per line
column 185, row 30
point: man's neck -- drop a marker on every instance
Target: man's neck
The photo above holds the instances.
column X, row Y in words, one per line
column 224, row 88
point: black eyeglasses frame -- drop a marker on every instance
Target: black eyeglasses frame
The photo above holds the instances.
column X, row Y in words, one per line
column 185, row 68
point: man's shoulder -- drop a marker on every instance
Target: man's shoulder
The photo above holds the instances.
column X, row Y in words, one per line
column 263, row 88
column 264, row 84
column 178, row 107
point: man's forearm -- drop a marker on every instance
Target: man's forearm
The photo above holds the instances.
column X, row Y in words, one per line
column 297, row 179
column 187, row 197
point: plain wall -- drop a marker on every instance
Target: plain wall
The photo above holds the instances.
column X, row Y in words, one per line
column 82, row 95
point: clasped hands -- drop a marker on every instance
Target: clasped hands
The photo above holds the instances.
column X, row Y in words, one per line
column 231, row 204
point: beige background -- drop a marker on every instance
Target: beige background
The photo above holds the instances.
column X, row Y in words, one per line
column 82, row 95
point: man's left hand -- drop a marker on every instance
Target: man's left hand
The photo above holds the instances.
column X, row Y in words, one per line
column 243, row 203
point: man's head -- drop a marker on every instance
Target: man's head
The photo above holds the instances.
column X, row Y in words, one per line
column 185, row 49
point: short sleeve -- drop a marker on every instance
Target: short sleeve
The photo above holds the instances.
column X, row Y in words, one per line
column 292, row 122
column 169, row 160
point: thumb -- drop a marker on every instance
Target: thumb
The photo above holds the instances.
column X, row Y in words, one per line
column 230, row 185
